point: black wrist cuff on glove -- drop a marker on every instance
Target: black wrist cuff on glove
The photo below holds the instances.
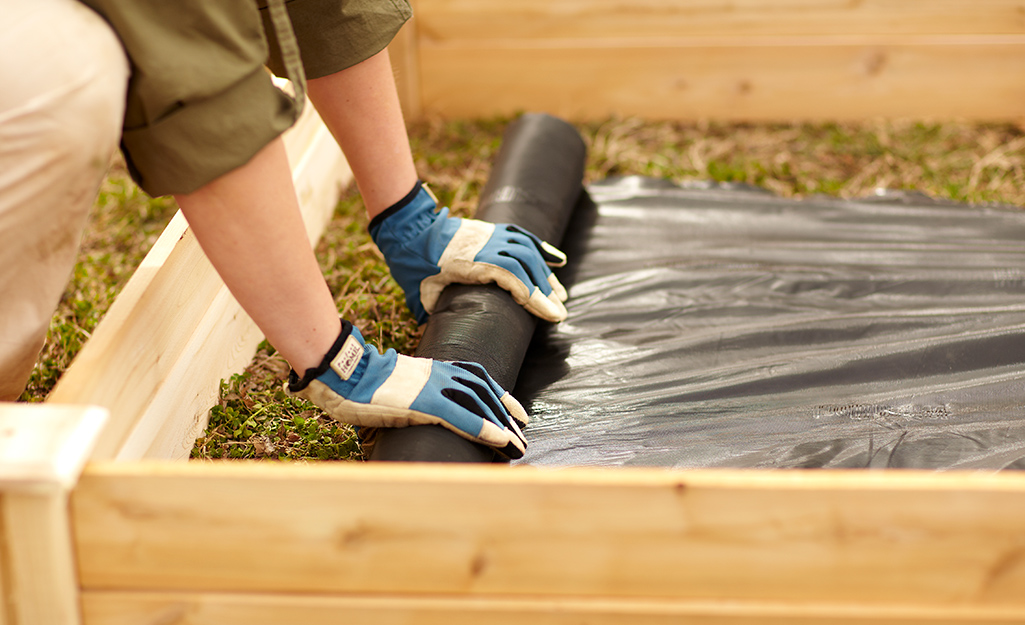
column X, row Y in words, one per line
column 296, row 384
column 378, row 219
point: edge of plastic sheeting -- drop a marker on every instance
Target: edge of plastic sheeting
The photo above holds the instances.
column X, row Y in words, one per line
column 536, row 182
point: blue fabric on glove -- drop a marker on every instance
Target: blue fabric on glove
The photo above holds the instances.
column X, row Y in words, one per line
column 358, row 385
column 427, row 250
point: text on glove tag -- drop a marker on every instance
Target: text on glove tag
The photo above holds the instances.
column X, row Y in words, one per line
column 344, row 364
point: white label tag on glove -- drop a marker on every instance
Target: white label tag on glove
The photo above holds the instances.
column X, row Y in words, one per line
column 348, row 357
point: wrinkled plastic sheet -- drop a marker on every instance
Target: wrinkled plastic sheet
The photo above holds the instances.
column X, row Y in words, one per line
column 713, row 326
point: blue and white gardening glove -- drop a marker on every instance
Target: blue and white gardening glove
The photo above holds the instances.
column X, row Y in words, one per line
column 356, row 384
column 427, row 250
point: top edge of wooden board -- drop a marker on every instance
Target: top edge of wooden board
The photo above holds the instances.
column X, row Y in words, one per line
column 426, row 473
column 486, row 19
column 117, row 608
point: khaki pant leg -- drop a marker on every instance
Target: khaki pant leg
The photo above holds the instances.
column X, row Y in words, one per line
column 63, row 76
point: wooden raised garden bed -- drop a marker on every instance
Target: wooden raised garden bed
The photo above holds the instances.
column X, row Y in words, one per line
column 100, row 524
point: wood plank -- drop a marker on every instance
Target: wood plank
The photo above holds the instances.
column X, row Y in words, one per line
column 142, row 337
column 156, row 359
column 43, row 447
column 120, row 608
column 42, row 450
column 797, row 79
column 7, row 596
column 223, row 343
column 886, row 539
column 449, row 20
column 39, row 570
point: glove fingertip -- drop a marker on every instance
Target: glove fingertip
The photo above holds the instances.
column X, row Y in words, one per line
column 516, row 410
column 547, row 307
column 507, row 442
column 561, row 313
column 554, row 257
column 557, row 288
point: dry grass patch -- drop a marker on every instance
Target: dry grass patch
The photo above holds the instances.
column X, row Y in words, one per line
column 972, row 163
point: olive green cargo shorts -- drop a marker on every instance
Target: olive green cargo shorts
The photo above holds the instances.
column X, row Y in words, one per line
column 200, row 102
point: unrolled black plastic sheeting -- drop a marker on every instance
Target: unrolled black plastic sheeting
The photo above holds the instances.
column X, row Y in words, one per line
column 722, row 327
column 536, row 181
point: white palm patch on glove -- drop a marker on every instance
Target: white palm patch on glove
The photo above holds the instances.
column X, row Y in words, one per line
column 461, row 263
column 357, row 385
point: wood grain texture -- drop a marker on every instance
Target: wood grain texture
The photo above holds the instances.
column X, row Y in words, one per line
column 886, row 539
column 447, row 20
column 42, row 450
column 39, row 571
column 771, row 60
column 811, row 79
column 43, row 447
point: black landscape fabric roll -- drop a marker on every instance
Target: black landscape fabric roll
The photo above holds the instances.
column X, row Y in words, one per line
column 536, row 181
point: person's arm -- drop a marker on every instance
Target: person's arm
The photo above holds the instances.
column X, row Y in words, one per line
column 425, row 250
column 360, row 105
column 249, row 225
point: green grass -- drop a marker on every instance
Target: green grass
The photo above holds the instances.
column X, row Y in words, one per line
column 965, row 162
column 255, row 419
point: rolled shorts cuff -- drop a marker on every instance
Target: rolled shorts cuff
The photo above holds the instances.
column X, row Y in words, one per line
column 336, row 34
column 200, row 142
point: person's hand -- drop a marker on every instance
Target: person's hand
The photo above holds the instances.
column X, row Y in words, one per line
column 357, row 385
column 428, row 250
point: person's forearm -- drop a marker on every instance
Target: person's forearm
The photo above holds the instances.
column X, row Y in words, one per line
column 249, row 225
column 360, row 106
column 248, row 220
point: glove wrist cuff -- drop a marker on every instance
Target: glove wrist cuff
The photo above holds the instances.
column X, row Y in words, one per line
column 296, row 384
column 378, row 219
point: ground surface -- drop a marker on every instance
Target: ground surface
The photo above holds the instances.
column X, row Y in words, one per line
column 972, row 163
